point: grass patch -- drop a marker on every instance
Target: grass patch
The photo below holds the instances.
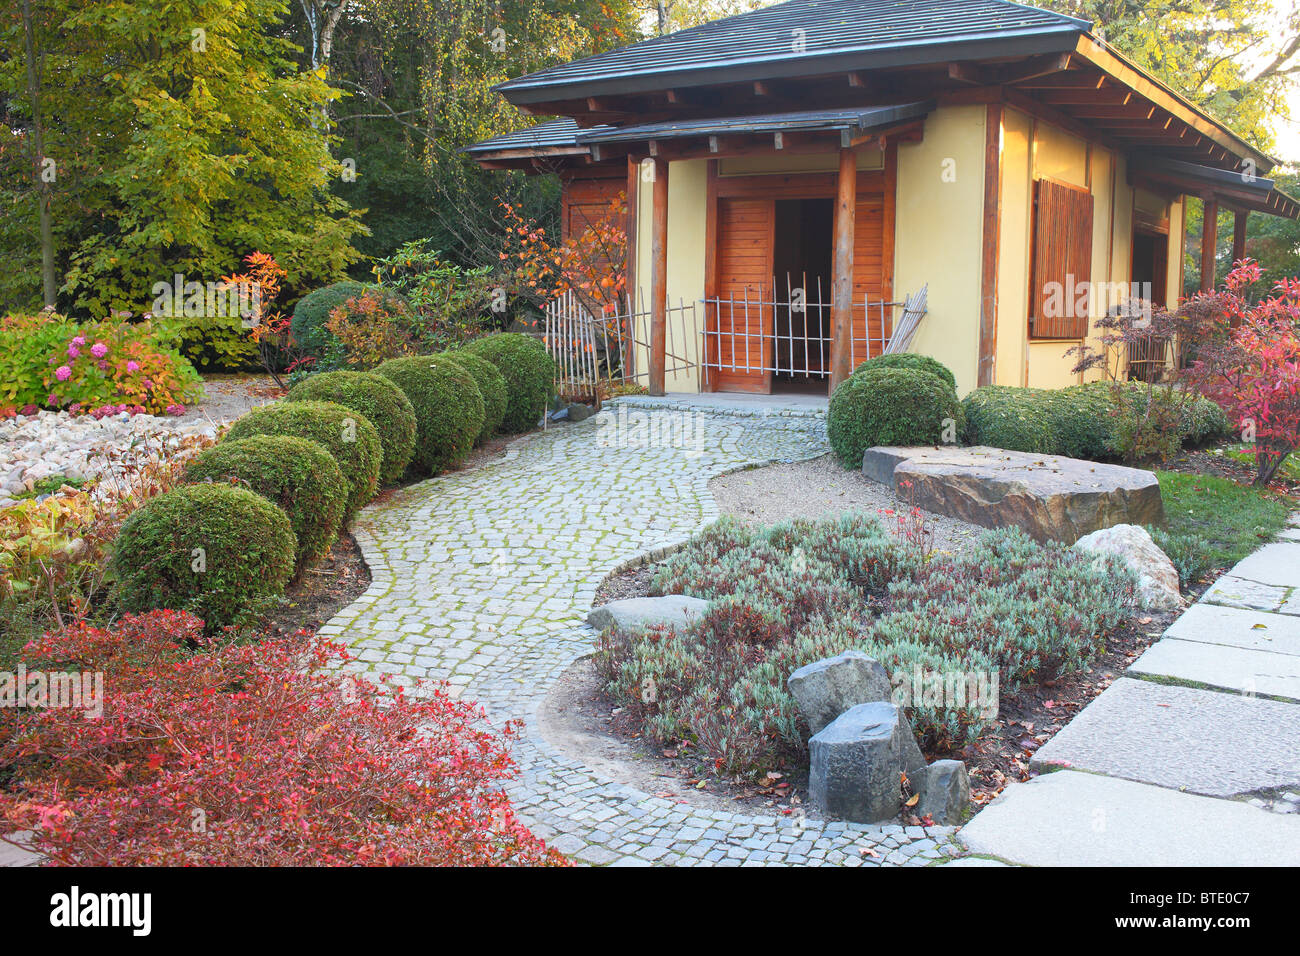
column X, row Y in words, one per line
column 1214, row 523
column 1288, row 471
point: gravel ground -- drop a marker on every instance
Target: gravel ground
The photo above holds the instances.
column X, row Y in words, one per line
column 227, row 397
column 820, row 488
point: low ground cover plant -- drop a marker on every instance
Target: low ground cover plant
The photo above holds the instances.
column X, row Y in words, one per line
column 216, row 752
column 1009, row 609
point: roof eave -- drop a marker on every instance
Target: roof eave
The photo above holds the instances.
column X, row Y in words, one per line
column 1057, row 40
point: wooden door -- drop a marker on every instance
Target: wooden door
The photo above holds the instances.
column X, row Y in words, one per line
column 740, row 331
column 868, row 275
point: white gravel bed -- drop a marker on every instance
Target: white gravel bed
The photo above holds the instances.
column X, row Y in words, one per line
column 81, row 447
column 822, row 488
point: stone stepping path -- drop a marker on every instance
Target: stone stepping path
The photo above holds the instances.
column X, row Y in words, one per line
column 1192, row 759
column 483, row 578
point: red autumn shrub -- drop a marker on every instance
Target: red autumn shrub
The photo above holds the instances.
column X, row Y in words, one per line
column 211, row 752
column 1252, row 367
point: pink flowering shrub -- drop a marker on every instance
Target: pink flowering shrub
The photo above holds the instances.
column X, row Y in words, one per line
column 216, row 753
column 119, row 363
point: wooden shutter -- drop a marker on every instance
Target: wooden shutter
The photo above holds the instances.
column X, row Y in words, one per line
column 1062, row 260
column 744, row 275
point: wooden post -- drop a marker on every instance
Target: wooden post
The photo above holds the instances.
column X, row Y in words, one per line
column 842, row 283
column 988, row 342
column 1209, row 238
column 659, row 277
column 1239, row 236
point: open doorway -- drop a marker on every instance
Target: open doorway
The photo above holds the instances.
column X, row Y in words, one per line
column 1150, row 264
column 801, row 261
column 1148, row 358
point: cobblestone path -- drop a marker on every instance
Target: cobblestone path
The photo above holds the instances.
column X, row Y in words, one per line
column 484, row 578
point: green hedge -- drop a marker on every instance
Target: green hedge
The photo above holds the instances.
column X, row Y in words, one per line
column 1076, row 421
column 491, row 385
column 297, row 474
column 380, row 401
column 529, row 373
column 890, row 406
column 217, row 551
column 448, row 409
column 343, row 432
column 922, row 363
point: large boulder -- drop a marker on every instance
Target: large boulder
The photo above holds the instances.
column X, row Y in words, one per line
column 634, row 614
column 856, row 762
column 1049, row 496
column 1157, row 577
column 944, row 789
column 827, row 688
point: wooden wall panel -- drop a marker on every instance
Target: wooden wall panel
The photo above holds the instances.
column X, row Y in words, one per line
column 744, row 266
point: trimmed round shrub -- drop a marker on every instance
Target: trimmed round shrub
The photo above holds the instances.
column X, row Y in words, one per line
column 380, row 401
column 491, row 385
column 218, row 551
column 341, row 431
column 297, row 474
column 529, row 373
column 448, row 409
column 889, row 406
column 313, row 311
column 922, row 363
column 1005, row 416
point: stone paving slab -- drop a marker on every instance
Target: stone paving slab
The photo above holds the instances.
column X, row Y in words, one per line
column 1183, row 738
column 1277, row 564
column 1069, row 818
column 483, row 578
column 1220, row 667
column 1234, row 627
column 1232, row 591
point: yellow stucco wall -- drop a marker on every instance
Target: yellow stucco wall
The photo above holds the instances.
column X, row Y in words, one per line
column 938, row 233
column 1038, row 150
column 938, row 238
column 687, row 201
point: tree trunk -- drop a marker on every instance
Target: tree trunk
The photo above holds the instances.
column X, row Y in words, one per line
column 49, row 283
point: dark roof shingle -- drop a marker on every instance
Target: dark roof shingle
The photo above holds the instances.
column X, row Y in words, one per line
column 840, row 34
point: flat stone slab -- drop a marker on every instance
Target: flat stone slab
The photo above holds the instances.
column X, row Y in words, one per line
column 1232, row 591
column 1082, row 819
column 1234, row 627
column 674, row 610
column 1049, row 496
column 1183, row 738
column 1232, row 669
column 1277, row 564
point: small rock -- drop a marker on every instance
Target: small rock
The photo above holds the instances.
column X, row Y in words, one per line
column 827, row 688
column 632, row 614
column 579, row 412
column 945, row 792
column 855, row 763
column 1157, row 578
